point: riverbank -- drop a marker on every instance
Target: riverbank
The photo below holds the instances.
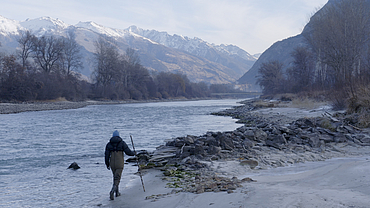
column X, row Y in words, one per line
column 10, row 108
column 284, row 156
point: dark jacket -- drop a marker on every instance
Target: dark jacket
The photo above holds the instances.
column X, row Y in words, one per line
column 116, row 145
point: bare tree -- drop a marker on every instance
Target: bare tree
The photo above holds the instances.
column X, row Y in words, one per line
column 301, row 74
column 106, row 63
column 132, row 57
column 25, row 41
column 71, row 59
column 47, row 50
column 339, row 35
column 271, row 78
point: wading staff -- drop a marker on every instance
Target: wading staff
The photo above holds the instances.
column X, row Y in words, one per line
column 137, row 162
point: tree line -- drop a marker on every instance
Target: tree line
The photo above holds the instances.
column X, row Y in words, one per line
column 46, row 68
column 335, row 58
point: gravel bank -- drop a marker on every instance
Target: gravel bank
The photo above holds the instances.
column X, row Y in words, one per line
column 9, row 108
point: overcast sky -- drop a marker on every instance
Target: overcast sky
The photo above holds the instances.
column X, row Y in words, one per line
column 253, row 25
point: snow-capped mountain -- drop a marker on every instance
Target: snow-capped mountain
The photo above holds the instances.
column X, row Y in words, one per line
column 198, row 47
column 8, row 26
column 199, row 60
column 44, row 25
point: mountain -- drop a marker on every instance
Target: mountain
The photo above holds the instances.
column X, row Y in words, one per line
column 158, row 51
column 280, row 51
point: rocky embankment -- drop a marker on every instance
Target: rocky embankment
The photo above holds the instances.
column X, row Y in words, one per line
column 261, row 143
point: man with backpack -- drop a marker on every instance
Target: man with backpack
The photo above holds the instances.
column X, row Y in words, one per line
column 114, row 160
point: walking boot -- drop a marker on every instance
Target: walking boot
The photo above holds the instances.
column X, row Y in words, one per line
column 111, row 193
column 117, row 192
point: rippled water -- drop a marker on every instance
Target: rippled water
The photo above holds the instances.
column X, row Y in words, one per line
column 37, row 147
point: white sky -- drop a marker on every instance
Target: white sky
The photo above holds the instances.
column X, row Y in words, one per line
column 253, row 25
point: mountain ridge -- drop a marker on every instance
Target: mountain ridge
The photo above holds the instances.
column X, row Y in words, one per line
column 213, row 63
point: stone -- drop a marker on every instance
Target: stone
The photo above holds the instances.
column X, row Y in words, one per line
column 260, row 135
column 326, row 138
column 247, row 180
column 213, row 150
column 179, row 142
column 277, row 141
column 189, row 140
column 284, row 129
column 365, row 139
column 74, row 166
column 226, row 143
column 249, row 134
column 199, row 150
column 251, row 163
column 340, row 138
column 248, row 143
column 211, row 141
column 314, row 140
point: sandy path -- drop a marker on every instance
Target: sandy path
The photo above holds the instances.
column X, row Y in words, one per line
column 333, row 183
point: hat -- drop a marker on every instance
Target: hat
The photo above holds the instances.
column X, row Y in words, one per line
column 115, row 133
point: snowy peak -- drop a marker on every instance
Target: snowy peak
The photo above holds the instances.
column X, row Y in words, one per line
column 194, row 45
column 234, row 50
column 100, row 29
column 172, row 41
column 44, row 25
column 8, row 26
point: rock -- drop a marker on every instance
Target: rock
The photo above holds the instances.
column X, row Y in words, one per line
column 163, row 153
column 275, row 131
column 213, row 150
column 350, row 129
column 179, row 142
column 247, row 180
column 340, row 138
column 284, row 129
column 326, row 138
column 189, row 140
column 248, row 143
column 260, row 135
column 74, row 166
column 304, row 123
column 211, row 141
column 251, row 163
column 314, row 140
column 249, row 134
column 262, row 125
column 199, row 150
column 226, row 143
column 276, row 141
column 365, row 139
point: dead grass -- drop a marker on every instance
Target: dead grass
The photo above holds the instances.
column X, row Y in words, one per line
column 307, row 103
column 265, row 104
column 360, row 105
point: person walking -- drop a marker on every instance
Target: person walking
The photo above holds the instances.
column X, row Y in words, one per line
column 114, row 160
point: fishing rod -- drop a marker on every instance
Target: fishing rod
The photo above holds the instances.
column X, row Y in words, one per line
column 137, row 162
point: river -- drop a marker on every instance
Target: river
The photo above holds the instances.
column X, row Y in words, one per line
column 37, row 147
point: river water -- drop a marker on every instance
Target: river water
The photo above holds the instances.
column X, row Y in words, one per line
column 37, row 147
